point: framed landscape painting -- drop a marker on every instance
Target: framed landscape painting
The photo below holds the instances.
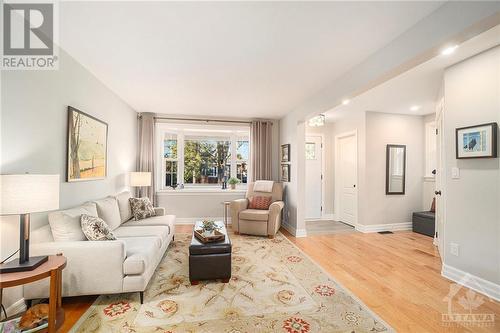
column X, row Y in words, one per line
column 87, row 147
column 478, row 141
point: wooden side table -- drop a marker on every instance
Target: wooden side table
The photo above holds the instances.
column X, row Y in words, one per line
column 53, row 269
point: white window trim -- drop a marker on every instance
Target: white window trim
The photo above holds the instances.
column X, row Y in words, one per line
column 179, row 130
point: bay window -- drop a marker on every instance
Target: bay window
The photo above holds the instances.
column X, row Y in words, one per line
column 202, row 155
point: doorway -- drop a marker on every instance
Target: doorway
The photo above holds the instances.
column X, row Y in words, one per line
column 314, row 177
column 346, row 178
column 440, row 209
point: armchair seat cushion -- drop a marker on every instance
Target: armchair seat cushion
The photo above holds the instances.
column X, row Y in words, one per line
column 254, row 215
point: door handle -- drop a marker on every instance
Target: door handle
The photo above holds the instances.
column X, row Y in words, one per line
column 437, row 192
column 354, row 185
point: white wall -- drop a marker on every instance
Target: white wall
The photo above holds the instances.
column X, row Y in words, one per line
column 429, row 184
column 472, row 96
column 383, row 129
column 33, row 136
column 190, row 206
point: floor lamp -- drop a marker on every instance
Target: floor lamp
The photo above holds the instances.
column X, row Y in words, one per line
column 22, row 195
column 140, row 179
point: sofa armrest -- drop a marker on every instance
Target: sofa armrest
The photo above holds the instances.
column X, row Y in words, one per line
column 236, row 206
column 274, row 222
column 159, row 211
column 93, row 267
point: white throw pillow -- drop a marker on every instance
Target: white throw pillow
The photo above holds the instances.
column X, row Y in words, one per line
column 65, row 224
column 124, row 205
column 107, row 209
column 95, row 229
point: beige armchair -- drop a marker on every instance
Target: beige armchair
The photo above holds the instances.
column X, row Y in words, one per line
column 256, row 221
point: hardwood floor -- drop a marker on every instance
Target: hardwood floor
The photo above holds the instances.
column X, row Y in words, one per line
column 396, row 275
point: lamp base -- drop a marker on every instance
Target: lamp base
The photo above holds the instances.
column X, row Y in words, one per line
column 14, row 265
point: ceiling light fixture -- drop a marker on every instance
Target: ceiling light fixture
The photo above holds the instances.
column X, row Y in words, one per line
column 345, row 102
column 317, row 121
column 415, row 108
column 449, row 50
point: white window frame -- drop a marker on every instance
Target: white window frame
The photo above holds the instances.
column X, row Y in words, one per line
column 234, row 133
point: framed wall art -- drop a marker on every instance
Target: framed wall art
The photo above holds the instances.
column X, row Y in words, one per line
column 87, row 147
column 285, row 173
column 479, row 141
column 285, row 153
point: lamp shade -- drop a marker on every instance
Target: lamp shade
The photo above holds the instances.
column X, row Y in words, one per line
column 22, row 194
column 140, row 179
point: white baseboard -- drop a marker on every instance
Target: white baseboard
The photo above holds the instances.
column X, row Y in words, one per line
column 192, row 220
column 384, row 227
column 17, row 307
column 485, row 287
column 295, row 232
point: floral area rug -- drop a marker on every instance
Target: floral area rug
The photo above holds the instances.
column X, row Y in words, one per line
column 274, row 288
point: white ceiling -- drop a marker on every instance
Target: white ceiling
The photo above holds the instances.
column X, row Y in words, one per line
column 240, row 59
column 418, row 86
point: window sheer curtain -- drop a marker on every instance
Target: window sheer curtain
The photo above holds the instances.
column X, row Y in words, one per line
column 261, row 150
column 146, row 156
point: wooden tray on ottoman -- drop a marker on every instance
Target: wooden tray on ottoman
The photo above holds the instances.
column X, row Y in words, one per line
column 217, row 236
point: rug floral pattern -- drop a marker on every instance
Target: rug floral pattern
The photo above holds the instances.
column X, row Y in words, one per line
column 274, row 288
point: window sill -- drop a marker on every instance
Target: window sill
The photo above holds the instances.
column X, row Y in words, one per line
column 191, row 191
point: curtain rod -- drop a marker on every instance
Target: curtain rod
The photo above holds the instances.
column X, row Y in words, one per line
column 207, row 120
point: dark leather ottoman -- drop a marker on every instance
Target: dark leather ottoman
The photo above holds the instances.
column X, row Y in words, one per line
column 210, row 261
column 424, row 223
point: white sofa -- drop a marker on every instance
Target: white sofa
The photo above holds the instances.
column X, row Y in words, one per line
column 103, row 267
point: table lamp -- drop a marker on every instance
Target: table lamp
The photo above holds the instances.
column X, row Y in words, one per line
column 138, row 179
column 22, row 195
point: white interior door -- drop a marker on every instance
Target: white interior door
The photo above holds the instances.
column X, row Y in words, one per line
column 346, row 178
column 440, row 179
column 314, row 170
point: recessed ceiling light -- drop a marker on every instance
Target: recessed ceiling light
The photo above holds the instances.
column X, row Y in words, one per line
column 345, row 102
column 415, row 108
column 449, row 50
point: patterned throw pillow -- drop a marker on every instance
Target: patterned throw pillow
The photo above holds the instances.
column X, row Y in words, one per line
column 259, row 202
column 95, row 229
column 141, row 208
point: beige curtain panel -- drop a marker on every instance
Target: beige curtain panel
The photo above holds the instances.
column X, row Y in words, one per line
column 146, row 146
column 261, row 150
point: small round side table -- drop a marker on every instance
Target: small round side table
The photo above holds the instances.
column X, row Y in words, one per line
column 53, row 269
column 226, row 214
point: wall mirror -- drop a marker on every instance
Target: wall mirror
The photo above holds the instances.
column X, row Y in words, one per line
column 395, row 169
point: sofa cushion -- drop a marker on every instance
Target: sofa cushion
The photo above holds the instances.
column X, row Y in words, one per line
column 124, row 205
column 41, row 235
column 141, row 253
column 95, row 229
column 161, row 232
column 254, row 215
column 259, row 202
column 65, row 224
column 141, row 208
column 107, row 209
column 164, row 220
